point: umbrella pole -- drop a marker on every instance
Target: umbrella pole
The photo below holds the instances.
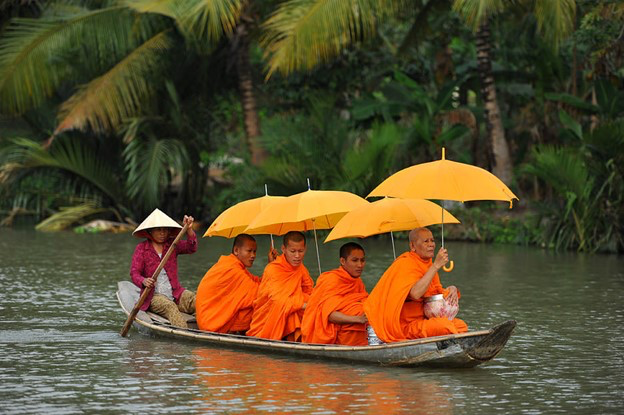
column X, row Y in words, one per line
column 318, row 258
column 266, row 193
column 393, row 250
column 443, row 224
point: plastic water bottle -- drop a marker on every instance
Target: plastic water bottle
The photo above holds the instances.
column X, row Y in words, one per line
column 373, row 340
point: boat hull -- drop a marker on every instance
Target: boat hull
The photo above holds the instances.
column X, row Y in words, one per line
column 451, row 351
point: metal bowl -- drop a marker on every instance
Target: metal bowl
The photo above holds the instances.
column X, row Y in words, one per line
column 434, row 298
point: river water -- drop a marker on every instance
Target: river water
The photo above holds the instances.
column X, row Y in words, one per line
column 60, row 349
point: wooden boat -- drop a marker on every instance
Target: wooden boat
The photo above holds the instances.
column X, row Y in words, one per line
column 452, row 351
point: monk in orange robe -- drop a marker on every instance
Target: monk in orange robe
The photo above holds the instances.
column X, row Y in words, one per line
column 395, row 306
column 224, row 300
column 334, row 314
column 283, row 294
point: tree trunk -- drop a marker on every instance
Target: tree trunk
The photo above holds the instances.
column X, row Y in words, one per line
column 499, row 149
column 246, row 87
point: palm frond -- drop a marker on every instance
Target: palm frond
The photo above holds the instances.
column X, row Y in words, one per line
column 562, row 168
column 71, row 155
column 69, row 215
column 150, row 165
column 304, row 33
column 210, row 19
column 555, row 19
column 476, row 12
column 198, row 19
column 104, row 103
column 169, row 8
column 372, row 162
column 30, row 68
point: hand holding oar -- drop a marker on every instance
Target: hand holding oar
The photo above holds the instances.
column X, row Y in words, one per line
column 147, row 290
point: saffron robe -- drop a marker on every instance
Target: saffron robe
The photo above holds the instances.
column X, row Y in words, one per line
column 277, row 309
column 224, row 300
column 394, row 316
column 335, row 290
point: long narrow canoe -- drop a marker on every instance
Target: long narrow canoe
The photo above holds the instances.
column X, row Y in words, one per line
column 453, row 351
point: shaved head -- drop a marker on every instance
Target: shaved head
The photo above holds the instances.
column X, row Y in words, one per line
column 240, row 240
column 346, row 249
column 294, row 236
column 415, row 234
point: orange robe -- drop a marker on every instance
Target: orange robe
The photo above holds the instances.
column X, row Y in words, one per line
column 224, row 300
column 394, row 316
column 335, row 290
column 277, row 309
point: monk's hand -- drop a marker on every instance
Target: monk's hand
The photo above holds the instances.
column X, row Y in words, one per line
column 363, row 319
column 148, row 282
column 441, row 259
column 453, row 297
column 273, row 254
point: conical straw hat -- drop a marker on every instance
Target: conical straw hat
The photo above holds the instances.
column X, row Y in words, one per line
column 156, row 219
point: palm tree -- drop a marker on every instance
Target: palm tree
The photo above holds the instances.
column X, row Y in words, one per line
column 127, row 44
column 555, row 20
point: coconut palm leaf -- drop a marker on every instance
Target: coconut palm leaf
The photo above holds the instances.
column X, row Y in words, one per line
column 69, row 154
column 68, row 216
column 303, row 33
column 477, row 11
column 30, row 68
column 150, row 166
column 104, row 103
column 199, row 19
column 555, row 19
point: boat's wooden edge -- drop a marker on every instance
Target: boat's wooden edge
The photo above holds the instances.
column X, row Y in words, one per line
column 277, row 344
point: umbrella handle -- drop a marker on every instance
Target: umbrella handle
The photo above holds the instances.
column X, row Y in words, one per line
column 450, row 266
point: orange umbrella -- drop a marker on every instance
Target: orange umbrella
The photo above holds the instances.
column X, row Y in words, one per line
column 309, row 210
column 388, row 215
column 234, row 220
column 445, row 180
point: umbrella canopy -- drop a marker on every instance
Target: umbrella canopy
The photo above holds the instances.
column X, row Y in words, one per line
column 234, row 220
column 389, row 215
column 309, row 210
column 444, row 180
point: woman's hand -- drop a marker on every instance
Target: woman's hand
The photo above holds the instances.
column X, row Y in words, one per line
column 188, row 220
column 148, row 282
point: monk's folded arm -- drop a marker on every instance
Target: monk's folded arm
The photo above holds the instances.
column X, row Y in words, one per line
column 420, row 287
column 337, row 317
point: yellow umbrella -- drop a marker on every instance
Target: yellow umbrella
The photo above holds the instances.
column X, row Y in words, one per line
column 234, row 220
column 309, row 210
column 388, row 215
column 445, row 180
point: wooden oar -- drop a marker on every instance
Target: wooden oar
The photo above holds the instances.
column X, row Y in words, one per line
column 148, row 290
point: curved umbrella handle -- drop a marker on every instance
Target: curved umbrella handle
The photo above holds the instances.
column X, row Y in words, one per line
column 450, row 266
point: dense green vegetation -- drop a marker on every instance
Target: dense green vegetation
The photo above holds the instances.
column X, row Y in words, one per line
column 111, row 108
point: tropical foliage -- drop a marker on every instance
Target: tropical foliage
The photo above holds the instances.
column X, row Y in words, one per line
column 111, row 108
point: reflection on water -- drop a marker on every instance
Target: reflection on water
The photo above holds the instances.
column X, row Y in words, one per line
column 278, row 385
column 60, row 351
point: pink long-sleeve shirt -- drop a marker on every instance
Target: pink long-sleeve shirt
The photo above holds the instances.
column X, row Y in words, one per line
column 145, row 260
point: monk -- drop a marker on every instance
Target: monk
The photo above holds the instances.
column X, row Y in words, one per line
column 224, row 301
column 334, row 314
column 283, row 294
column 395, row 306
